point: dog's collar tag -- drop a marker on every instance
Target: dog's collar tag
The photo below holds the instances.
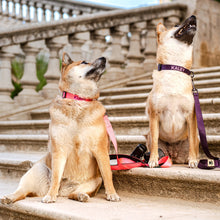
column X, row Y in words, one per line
column 75, row 97
column 173, row 67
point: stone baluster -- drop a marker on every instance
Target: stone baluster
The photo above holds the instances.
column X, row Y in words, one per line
column 171, row 21
column 151, row 46
column 43, row 7
column 98, row 42
column 35, row 19
column 53, row 71
column 6, row 86
column 13, row 13
column 39, row 6
column 125, row 45
column 71, row 13
column 22, row 3
column 28, row 18
column 64, row 11
column 52, row 13
column 57, row 9
column 116, row 59
column 29, row 80
column 6, row 12
column 20, row 16
column 75, row 12
column 134, row 57
column 1, row 10
column 77, row 41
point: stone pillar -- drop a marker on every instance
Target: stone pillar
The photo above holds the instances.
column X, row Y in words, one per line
column 6, row 86
column 28, row 18
column 6, row 12
column 125, row 45
column 13, row 14
column 134, row 57
column 1, row 11
column 57, row 9
column 171, row 21
column 20, row 14
column 35, row 19
column 151, row 46
column 29, row 80
column 98, row 42
column 53, row 71
column 77, row 40
column 43, row 13
column 116, row 59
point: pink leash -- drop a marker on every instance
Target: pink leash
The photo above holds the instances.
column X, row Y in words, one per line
column 111, row 134
column 165, row 161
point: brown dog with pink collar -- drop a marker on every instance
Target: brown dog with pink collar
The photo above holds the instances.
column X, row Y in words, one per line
column 78, row 146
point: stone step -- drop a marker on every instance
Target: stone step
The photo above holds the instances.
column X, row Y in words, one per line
column 142, row 97
column 130, row 125
column 15, row 164
column 40, row 114
column 207, row 69
column 137, row 109
column 178, row 181
column 138, row 125
column 25, row 143
column 24, row 127
column 201, row 80
column 131, row 206
column 126, row 143
column 142, row 86
column 211, row 105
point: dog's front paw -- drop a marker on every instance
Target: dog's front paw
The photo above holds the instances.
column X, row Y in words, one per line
column 153, row 162
column 49, row 199
column 193, row 163
column 83, row 197
column 6, row 200
column 113, row 197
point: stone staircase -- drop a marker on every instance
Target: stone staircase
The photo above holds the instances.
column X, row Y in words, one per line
column 143, row 191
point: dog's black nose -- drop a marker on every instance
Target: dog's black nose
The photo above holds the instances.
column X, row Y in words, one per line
column 193, row 16
column 103, row 59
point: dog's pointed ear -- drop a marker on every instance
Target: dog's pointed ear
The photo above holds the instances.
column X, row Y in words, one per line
column 66, row 60
column 160, row 28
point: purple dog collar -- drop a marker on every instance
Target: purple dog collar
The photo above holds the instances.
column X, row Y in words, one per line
column 173, row 67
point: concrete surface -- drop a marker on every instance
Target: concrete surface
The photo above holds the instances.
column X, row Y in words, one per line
column 131, row 206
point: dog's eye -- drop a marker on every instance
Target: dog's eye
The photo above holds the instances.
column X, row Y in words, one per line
column 177, row 25
column 84, row 62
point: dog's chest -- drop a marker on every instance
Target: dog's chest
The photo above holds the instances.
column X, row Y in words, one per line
column 172, row 99
column 172, row 92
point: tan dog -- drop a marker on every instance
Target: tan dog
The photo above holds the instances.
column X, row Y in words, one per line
column 170, row 105
column 78, row 142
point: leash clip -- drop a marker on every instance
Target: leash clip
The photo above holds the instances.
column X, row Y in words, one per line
column 210, row 163
column 195, row 90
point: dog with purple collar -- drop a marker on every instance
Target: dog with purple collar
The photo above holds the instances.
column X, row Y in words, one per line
column 170, row 104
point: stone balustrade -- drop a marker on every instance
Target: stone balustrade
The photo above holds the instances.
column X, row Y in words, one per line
column 46, row 10
column 126, row 37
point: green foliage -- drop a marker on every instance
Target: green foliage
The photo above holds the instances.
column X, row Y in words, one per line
column 42, row 65
column 217, row 0
column 18, row 70
column 17, row 73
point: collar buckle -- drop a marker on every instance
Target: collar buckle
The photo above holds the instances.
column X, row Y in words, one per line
column 64, row 95
column 159, row 67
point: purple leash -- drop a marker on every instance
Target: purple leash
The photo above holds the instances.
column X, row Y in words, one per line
column 212, row 162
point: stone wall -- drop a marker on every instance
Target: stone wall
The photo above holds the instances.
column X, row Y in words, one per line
column 130, row 51
column 207, row 41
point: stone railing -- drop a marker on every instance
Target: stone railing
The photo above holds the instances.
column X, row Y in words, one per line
column 46, row 10
column 126, row 37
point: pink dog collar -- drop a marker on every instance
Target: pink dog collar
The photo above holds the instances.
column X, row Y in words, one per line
column 75, row 97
